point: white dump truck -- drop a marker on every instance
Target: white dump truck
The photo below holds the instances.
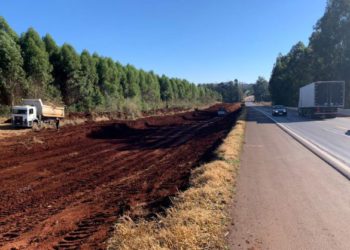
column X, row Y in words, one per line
column 32, row 112
column 321, row 99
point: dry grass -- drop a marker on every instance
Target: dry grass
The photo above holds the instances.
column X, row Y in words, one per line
column 37, row 141
column 198, row 218
column 72, row 122
column 3, row 119
column 263, row 103
column 101, row 118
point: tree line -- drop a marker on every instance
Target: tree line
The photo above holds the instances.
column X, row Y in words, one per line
column 261, row 90
column 235, row 91
column 36, row 67
column 230, row 92
column 326, row 57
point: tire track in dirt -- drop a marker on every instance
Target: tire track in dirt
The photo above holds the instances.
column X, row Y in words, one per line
column 67, row 192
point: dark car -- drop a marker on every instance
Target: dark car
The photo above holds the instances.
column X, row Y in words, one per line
column 222, row 111
column 279, row 110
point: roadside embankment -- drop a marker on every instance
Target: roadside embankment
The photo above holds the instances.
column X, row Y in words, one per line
column 78, row 118
column 198, row 217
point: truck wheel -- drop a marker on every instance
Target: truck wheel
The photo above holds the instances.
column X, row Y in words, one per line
column 36, row 126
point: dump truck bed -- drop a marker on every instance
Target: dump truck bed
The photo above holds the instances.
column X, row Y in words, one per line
column 50, row 111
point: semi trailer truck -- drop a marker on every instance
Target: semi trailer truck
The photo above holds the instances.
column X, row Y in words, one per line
column 32, row 113
column 321, row 99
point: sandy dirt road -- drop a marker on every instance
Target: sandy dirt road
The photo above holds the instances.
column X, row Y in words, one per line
column 66, row 189
column 287, row 198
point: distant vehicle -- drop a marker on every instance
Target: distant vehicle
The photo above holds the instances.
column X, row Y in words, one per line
column 222, row 111
column 279, row 110
column 33, row 112
column 321, row 99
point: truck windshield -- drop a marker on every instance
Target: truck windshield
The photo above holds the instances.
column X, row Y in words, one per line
column 19, row 111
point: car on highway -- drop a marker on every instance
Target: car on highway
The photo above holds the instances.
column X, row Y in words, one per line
column 279, row 110
column 222, row 111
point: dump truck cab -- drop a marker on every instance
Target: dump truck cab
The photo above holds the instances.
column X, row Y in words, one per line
column 24, row 116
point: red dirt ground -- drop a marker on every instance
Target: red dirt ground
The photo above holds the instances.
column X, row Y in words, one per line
column 65, row 189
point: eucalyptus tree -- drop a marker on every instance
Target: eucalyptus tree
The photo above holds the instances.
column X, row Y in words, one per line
column 12, row 76
column 36, row 63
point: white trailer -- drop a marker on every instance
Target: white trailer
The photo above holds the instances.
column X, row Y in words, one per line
column 321, row 99
column 33, row 112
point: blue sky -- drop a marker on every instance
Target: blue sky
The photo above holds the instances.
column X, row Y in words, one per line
column 200, row 40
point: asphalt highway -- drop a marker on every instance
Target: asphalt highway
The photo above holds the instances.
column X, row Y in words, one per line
column 286, row 196
column 331, row 135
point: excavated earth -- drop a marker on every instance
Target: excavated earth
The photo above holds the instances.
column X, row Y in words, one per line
column 65, row 189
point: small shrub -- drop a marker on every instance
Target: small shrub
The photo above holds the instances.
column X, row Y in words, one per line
column 5, row 110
